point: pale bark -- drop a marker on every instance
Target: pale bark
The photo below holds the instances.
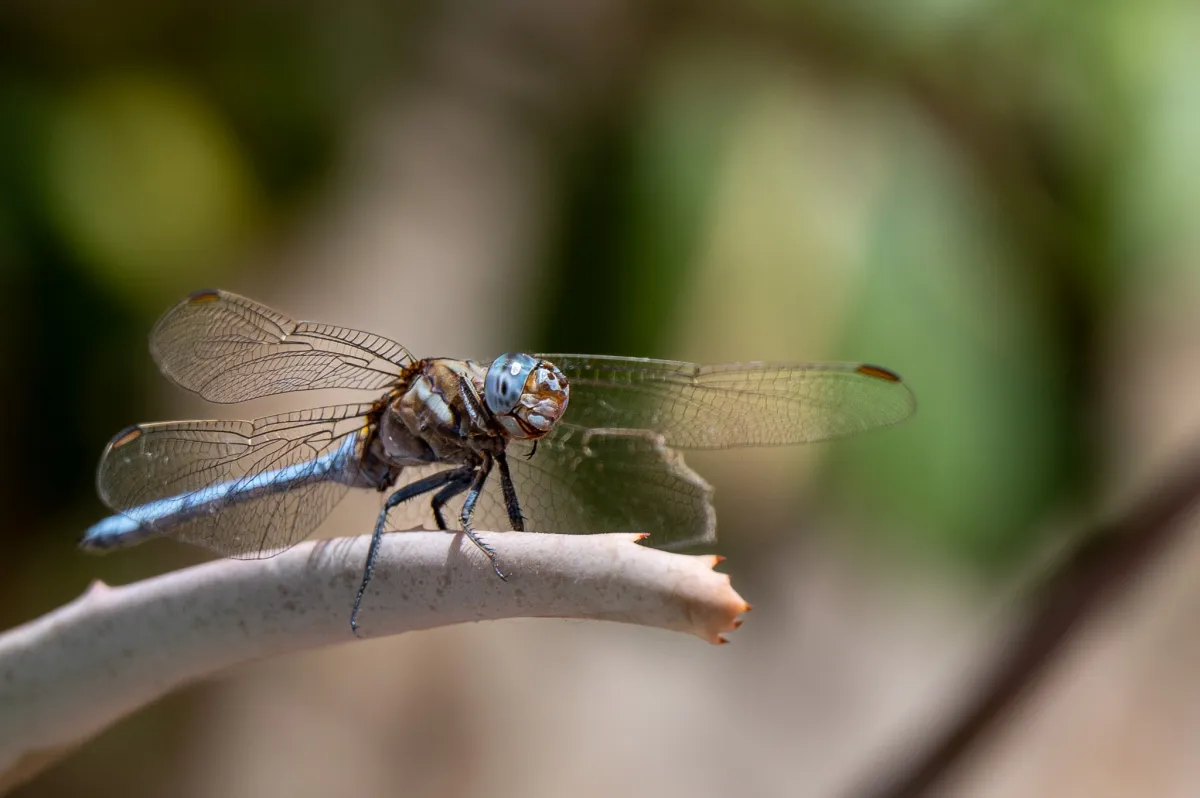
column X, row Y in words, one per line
column 69, row 674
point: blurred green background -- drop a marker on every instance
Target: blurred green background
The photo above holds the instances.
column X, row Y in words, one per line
column 994, row 199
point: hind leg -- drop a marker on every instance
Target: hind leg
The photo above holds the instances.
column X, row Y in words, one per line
column 431, row 482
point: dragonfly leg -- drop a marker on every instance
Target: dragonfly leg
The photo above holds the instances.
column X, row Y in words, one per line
column 431, row 482
column 471, row 402
column 460, row 483
column 510, row 494
column 468, row 510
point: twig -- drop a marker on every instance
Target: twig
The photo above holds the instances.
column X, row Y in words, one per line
column 71, row 673
column 1094, row 575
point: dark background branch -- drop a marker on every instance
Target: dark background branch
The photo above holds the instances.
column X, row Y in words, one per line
column 1100, row 570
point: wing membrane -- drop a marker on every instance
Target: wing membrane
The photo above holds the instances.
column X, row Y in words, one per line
column 731, row 404
column 231, row 349
column 245, row 489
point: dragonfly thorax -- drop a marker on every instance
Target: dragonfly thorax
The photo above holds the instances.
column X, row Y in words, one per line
column 428, row 419
column 526, row 395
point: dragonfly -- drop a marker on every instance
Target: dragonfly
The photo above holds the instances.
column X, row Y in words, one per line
column 595, row 438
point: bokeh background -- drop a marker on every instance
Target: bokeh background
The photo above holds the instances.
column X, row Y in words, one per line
column 998, row 200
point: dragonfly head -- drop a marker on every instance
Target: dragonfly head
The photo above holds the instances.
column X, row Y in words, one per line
column 525, row 394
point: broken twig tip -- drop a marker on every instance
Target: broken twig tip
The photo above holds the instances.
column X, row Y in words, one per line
column 97, row 587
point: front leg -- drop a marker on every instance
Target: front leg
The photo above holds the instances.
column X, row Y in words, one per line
column 510, row 494
column 475, row 411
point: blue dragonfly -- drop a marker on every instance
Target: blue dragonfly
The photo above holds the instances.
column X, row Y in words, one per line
column 597, row 436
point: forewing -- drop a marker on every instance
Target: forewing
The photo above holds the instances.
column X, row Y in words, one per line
column 249, row 489
column 231, row 349
column 731, row 404
column 585, row 482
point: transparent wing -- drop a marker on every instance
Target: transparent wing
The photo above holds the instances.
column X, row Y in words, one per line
column 245, row 489
column 731, row 404
column 231, row 349
column 586, row 482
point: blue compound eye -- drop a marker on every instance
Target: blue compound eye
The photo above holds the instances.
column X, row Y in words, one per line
column 506, row 380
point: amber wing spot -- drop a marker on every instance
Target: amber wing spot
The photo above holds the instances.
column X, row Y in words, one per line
column 206, row 295
column 878, row 372
column 126, row 436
